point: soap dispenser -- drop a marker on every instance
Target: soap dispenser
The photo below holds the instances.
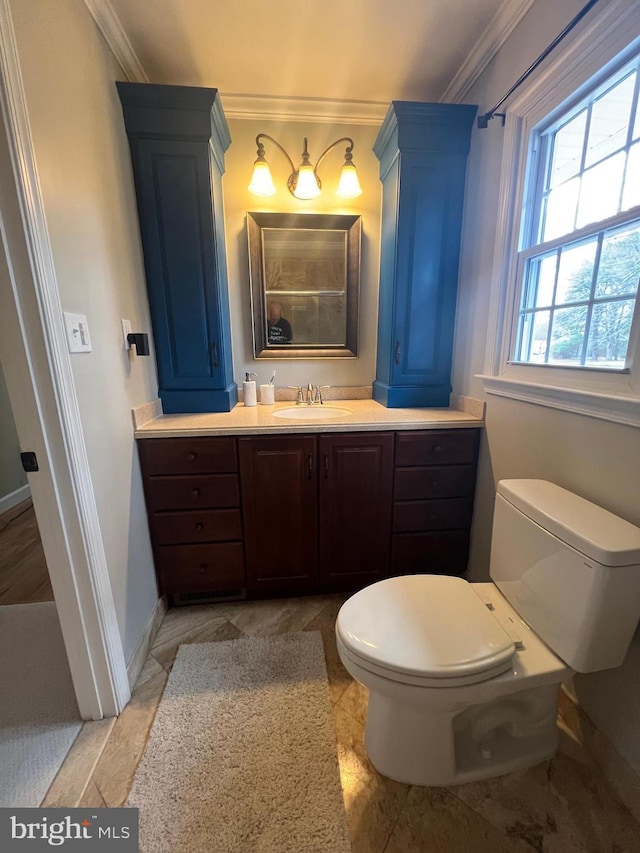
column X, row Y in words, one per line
column 249, row 390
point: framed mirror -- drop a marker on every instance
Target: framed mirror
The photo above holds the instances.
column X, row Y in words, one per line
column 305, row 281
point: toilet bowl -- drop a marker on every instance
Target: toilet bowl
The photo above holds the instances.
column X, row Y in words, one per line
column 420, row 728
column 461, row 686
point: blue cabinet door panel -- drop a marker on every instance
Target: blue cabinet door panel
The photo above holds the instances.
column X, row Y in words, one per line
column 185, row 265
column 418, row 278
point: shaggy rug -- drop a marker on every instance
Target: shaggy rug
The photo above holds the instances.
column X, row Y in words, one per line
column 242, row 753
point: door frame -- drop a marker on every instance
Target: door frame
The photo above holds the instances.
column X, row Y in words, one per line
column 37, row 366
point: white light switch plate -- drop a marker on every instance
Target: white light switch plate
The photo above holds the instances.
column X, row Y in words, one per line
column 77, row 329
column 126, row 330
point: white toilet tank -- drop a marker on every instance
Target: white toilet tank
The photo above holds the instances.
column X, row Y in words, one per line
column 571, row 570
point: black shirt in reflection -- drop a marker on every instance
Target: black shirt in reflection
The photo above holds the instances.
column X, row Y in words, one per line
column 280, row 332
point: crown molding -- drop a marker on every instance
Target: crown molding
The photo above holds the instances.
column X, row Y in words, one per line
column 503, row 23
column 274, row 107
column 282, row 108
column 109, row 25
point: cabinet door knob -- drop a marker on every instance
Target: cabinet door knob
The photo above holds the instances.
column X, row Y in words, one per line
column 202, row 568
column 437, row 449
column 191, row 455
column 199, row 526
column 195, row 492
column 434, row 484
column 433, row 516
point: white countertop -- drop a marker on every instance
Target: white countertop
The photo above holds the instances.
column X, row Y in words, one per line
column 364, row 416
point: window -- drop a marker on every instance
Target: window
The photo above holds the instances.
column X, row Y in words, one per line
column 579, row 260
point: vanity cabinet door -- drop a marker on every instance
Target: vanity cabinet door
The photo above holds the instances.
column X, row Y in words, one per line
column 356, row 477
column 279, row 483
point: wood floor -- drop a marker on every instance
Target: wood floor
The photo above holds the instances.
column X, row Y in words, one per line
column 24, row 578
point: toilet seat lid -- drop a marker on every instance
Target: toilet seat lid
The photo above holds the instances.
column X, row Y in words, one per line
column 424, row 625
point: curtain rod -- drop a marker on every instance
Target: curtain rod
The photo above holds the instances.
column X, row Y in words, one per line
column 484, row 120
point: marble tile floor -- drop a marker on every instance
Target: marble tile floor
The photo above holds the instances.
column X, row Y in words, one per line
column 562, row 806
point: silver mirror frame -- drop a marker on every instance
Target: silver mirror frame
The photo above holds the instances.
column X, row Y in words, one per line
column 351, row 224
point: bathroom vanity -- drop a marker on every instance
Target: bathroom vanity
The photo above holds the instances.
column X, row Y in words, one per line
column 246, row 504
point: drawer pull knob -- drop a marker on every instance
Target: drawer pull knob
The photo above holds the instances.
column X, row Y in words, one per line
column 202, row 568
column 195, row 492
column 434, row 484
column 433, row 516
column 191, row 455
column 437, row 449
column 199, row 526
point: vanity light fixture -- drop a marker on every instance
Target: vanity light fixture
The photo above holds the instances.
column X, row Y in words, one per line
column 304, row 182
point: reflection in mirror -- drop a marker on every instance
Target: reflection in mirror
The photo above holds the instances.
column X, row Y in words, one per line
column 304, row 277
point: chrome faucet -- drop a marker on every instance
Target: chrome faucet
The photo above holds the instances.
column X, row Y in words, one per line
column 318, row 394
column 313, row 396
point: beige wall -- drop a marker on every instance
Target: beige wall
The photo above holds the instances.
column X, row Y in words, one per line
column 12, row 475
column 85, row 174
column 594, row 458
column 238, row 200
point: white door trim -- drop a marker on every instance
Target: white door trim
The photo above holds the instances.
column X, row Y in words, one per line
column 42, row 390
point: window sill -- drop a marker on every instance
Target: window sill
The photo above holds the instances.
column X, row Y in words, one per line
column 607, row 407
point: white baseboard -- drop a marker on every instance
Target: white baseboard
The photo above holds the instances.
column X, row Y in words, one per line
column 139, row 656
column 14, row 498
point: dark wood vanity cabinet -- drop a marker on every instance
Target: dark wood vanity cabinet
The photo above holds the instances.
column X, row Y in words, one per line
column 434, row 483
column 192, row 491
column 317, row 511
column 280, row 508
column 356, row 480
column 279, row 515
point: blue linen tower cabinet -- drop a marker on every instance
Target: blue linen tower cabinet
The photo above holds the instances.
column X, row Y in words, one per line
column 178, row 136
column 422, row 150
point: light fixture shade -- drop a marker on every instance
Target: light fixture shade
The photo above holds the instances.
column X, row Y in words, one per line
column 349, row 185
column 261, row 180
column 307, row 183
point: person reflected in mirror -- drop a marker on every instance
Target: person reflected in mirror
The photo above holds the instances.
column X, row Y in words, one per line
column 279, row 329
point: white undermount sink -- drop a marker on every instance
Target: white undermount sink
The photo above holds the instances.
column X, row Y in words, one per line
column 311, row 413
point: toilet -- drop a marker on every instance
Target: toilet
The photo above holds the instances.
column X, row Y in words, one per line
column 463, row 678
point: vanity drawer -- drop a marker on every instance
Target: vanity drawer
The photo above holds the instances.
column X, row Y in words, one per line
column 446, row 514
column 210, row 525
column 412, row 484
column 442, row 552
column 202, row 568
column 190, row 455
column 205, row 490
column 437, row 447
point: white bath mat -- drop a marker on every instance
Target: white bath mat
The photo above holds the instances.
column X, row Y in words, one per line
column 242, row 754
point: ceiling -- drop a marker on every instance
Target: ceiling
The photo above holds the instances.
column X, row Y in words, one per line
column 369, row 50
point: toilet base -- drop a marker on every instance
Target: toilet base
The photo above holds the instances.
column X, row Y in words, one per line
column 417, row 745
